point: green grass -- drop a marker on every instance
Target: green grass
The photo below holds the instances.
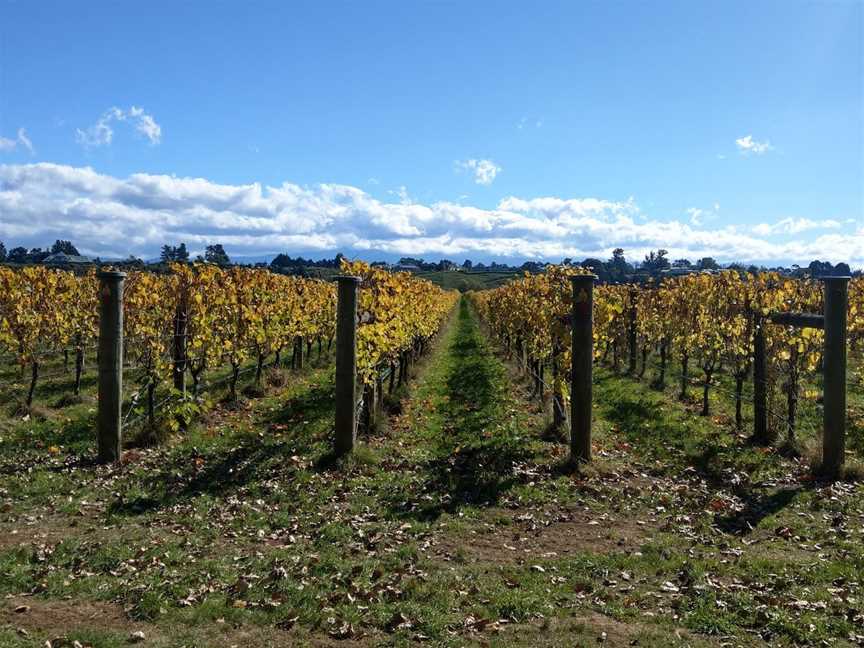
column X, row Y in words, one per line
column 455, row 524
column 465, row 281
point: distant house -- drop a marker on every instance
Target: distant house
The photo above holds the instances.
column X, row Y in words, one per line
column 66, row 260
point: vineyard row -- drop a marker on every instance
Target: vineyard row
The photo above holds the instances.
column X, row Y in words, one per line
column 200, row 317
column 752, row 325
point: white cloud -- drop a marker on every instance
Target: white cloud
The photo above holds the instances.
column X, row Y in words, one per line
column 25, row 141
column 484, row 170
column 699, row 216
column 7, row 144
column 402, row 194
column 747, row 145
column 146, row 125
column 696, row 215
column 138, row 214
column 794, row 226
column 102, row 132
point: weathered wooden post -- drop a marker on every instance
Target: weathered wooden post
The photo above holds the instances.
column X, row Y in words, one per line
column 180, row 347
column 346, row 364
column 379, row 394
column 833, row 322
column 370, row 404
column 760, row 386
column 109, row 418
column 834, row 384
column 581, row 374
column 298, row 349
column 79, row 363
column 631, row 330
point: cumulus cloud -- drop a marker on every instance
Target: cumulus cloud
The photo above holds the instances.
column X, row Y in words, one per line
column 102, row 132
column 747, row 145
column 484, row 170
column 114, row 217
column 21, row 140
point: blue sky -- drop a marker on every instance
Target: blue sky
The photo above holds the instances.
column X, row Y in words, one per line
column 482, row 130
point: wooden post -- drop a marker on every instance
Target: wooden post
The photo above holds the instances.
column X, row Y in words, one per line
column 370, row 402
column 379, row 394
column 834, row 385
column 346, row 364
column 298, row 346
column 631, row 331
column 109, row 417
column 179, row 367
column 540, row 381
column 761, row 435
column 581, row 374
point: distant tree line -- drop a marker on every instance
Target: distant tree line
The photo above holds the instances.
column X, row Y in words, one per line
column 285, row 261
column 615, row 269
column 35, row 255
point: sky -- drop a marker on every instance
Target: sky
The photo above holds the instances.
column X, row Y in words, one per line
column 485, row 130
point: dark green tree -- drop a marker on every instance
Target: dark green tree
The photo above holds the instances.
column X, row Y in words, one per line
column 171, row 253
column 820, row 268
column 216, row 254
column 656, row 261
column 37, row 255
column 64, row 247
column 598, row 267
column 707, row 263
column 17, row 255
column 167, row 254
column 617, row 266
column 282, row 261
column 842, row 269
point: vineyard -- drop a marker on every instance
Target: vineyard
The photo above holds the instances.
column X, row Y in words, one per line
column 708, row 326
column 200, row 319
column 458, row 515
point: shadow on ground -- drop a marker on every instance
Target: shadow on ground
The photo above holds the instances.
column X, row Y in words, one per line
column 712, row 457
column 249, row 459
